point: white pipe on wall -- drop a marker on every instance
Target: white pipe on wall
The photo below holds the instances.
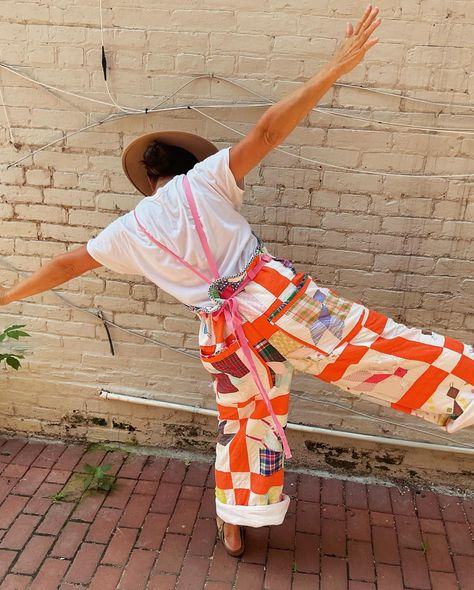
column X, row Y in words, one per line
column 292, row 426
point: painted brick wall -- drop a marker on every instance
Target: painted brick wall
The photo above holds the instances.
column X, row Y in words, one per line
column 402, row 245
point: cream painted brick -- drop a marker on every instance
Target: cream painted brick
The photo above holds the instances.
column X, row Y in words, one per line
column 171, row 42
column 38, row 248
column 378, row 298
column 61, row 161
column 41, row 54
column 7, row 246
column 240, row 42
column 416, row 207
column 447, row 165
column 118, row 304
column 12, row 32
column 376, row 243
column 180, row 325
column 96, row 140
column 38, row 177
column 422, row 142
column 220, row 64
column 355, row 138
column 90, row 218
column 344, row 258
column 450, row 80
column 439, row 56
column 354, row 202
column 265, row 22
column 383, row 75
column 412, row 226
column 116, row 202
column 64, row 119
column 41, row 213
column 289, row 216
column 70, row 56
column 303, row 235
column 93, row 182
column 380, row 280
column 458, row 229
column 450, row 210
column 347, row 222
column 144, row 292
column 188, row 63
column 202, row 20
column 129, row 59
column 21, row 194
column 328, row 155
column 159, row 62
column 148, row 19
column 21, row 229
column 65, row 179
column 251, row 65
column 405, row 263
column 424, row 187
column 356, row 183
column 393, row 162
column 63, row 233
column 6, row 211
column 117, row 289
column 415, row 77
column 76, row 198
column 286, row 68
column 70, row 328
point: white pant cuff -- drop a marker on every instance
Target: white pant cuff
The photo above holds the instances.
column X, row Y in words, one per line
column 254, row 516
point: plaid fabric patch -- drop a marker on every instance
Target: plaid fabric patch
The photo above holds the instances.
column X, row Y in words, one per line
column 268, row 352
column 337, row 306
column 305, row 311
column 223, row 383
column 232, row 365
column 270, row 462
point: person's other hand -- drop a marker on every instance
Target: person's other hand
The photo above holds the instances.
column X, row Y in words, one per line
column 357, row 42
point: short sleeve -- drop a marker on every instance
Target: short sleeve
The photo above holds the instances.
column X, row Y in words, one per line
column 215, row 172
column 112, row 247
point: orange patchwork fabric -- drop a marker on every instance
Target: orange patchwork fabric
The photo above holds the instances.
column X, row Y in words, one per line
column 291, row 324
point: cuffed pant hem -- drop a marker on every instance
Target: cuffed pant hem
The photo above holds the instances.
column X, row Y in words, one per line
column 254, row 516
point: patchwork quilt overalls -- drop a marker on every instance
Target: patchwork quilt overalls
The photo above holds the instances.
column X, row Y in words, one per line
column 268, row 321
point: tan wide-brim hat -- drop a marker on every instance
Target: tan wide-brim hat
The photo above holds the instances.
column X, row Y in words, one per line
column 133, row 154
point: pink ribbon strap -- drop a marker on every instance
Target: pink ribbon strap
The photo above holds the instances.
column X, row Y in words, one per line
column 230, row 306
column 200, row 230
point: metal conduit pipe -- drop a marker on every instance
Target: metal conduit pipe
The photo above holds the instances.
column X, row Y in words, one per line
column 292, row 426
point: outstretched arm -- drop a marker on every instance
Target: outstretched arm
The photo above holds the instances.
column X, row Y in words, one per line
column 57, row 271
column 281, row 118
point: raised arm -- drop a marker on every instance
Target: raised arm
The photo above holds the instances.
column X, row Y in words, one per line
column 281, row 118
column 57, row 271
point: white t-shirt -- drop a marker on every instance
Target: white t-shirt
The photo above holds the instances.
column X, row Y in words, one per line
column 124, row 248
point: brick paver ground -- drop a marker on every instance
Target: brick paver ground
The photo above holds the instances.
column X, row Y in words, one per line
column 155, row 530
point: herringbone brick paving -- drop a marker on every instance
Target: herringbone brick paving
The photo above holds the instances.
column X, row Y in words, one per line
column 155, row 530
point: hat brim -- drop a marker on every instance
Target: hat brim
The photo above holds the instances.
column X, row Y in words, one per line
column 133, row 154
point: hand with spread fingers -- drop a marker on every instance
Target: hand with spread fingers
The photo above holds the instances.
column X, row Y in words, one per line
column 357, row 42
